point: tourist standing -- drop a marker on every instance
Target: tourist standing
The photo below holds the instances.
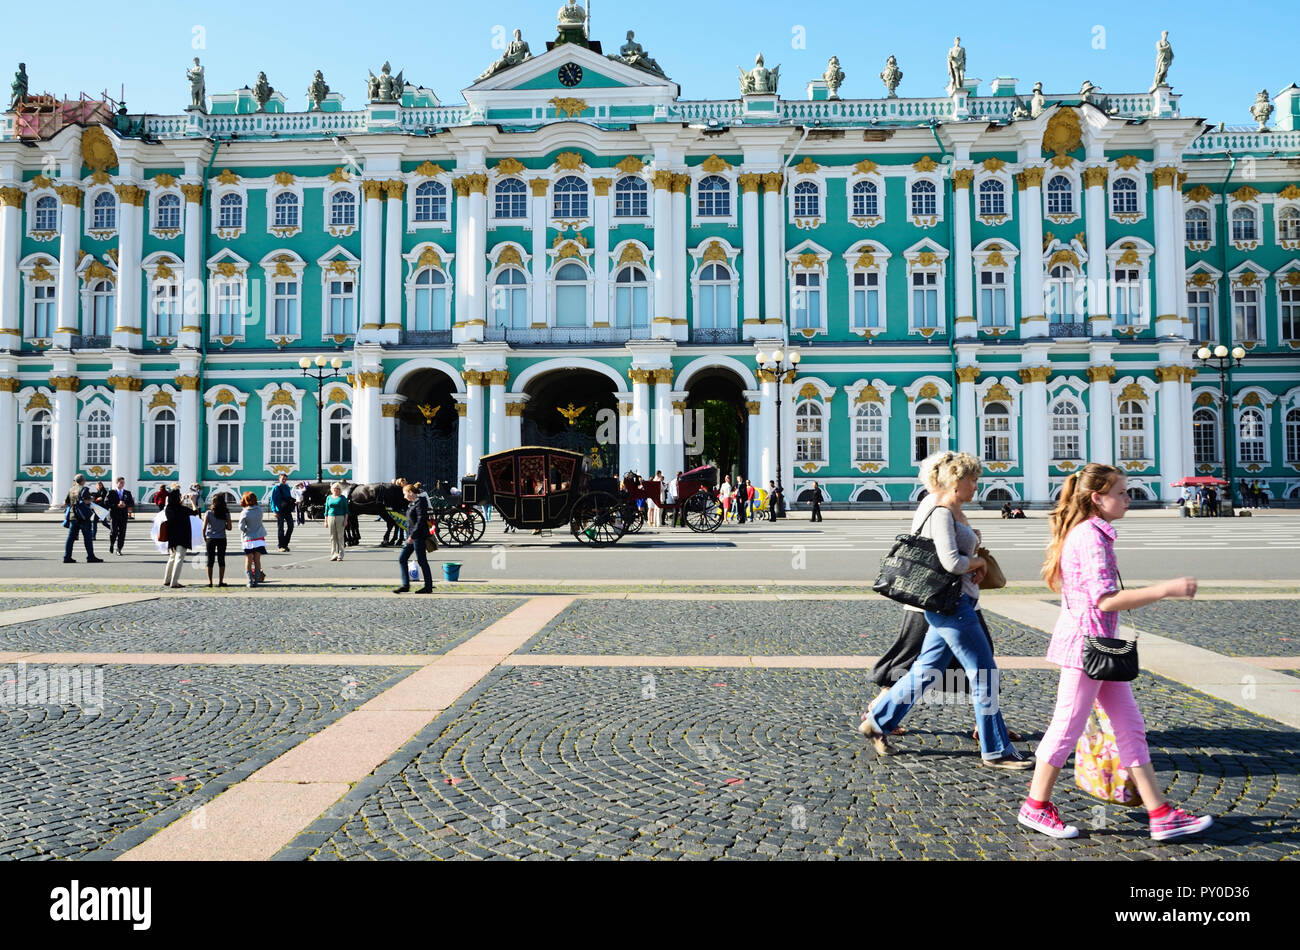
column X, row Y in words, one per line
column 78, row 520
column 121, row 507
column 216, row 522
column 336, row 519
column 252, row 536
column 816, row 502
column 417, row 534
column 178, row 537
column 742, row 499
column 674, row 499
column 724, row 496
column 282, row 503
column 1081, row 566
column 300, row 499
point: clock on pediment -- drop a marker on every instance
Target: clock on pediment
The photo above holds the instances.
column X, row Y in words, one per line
column 570, row 74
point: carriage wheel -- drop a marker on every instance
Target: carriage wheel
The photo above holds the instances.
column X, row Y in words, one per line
column 702, row 513
column 635, row 518
column 476, row 521
column 598, row 519
column 457, row 527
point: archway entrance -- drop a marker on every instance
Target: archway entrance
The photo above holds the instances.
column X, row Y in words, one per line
column 427, row 429
column 719, row 422
column 577, row 410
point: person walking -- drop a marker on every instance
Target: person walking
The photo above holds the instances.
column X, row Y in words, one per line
column 336, row 519
column 816, row 502
column 654, row 503
column 742, row 499
column 216, row 522
column 78, row 521
column 179, row 542
column 282, row 504
column 299, row 497
column 252, row 536
column 417, row 534
column 674, row 499
column 955, row 479
column 724, row 496
column 99, row 497
column 1081, row 566
column 121, row 508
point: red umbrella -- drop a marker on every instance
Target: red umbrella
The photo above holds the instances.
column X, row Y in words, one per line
column 1197, row 480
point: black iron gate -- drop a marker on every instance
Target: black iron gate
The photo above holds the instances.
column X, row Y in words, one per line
column 604, row 457
column 425, row 454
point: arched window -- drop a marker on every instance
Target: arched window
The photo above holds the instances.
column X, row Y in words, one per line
column 510, row 299
column 164, row 438
column 103, row 305
column 430, row 300
column 1243, row 225
column 231, row 211
column 98, row 441
column 46, row 214
column 511, row 198
column 286, row 210
column 1138, row 493
column 869, row 496
column 1200, row 310
column 713, row 197
column 341, row 305
column 1058, row 295
column 869, row 433
column 39, row 445
column 166, row 307
column 926, row 425
column 993, row 197
column 1124, row 196
column 1197, row 224
column 570, row 198
column 104, row 213
column 1132, row 431
column 1205, row 436
column 997, row 433
column 924, row 199
column 1293, row 436
column 1060, row 195
column 283, row 449
column 571, row 296
column 1288, row 224
column 229, row 438
column 1065, row 431
column 807, row 200
column 167, row 215
column 809, row 442
column 340, row 436
column 631, row 197
column 631, row 297
column 343, row 209
column 715, row 297
column 43, row 311
column 1250, row 436
column 807, row 299
column 430, row 201
column 998, row 494
column 866, row 201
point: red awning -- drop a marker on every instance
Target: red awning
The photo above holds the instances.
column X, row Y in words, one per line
column 1195, row 481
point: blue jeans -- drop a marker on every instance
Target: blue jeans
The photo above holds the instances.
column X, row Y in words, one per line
column 415, row 546
column 83, row 528
column 959, row 635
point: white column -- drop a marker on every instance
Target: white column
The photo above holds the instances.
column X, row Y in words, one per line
column 668, row 456
column 539, row 186
column 754, row 461
column 68, row 295
column 476, row 221
column 393, row 227
column 1168, row 250
column 472, row 423
column 1032, row 320
column 498, row 429
column 964, row 323
column 1099, row 412
column 967, row 439
column 11, row 218
column 130, row 224
column 387, row 469
column 462, row 429
column 680, row 329
column 1180, row 267
column 64, row 454
column 773, row 260
column 600, row 260
column 787, row 435
column 194, row 302
column 1189, row 457
column 372, row 261
column 767, row 427
column 461, row 308
column 124, row 447
column 662, row 322
column 1033, row 432
column 749, row 256
column 637, row 442
column 187, row 430
column 1169, row 416
column 515, row 420
column 8, row 431
column 1095, row 226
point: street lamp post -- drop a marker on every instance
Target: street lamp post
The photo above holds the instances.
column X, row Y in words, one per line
column 779, row 363
column 319, row 374
column 1220, row 358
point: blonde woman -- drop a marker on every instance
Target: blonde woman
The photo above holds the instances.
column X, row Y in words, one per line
column 955, row 478
column 336, row 519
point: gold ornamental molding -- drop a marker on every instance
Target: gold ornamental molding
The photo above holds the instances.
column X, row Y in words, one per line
column 1169, row 374
column 188, row 383
column 632, row 254
column 569, row 162
column 1063, row 133
column 681, row 182
column 967, row 374
column 509, row 166
column 132, row 195
column 426, row 169
column 281, row 397
column 869, row 394
column 630, row 165
column 994, row 164
column 496, row 377
column 65, row 383
column 662, row 376
column 9, row 384
column 38, row 401
column 472, row 377
column 807, row 166
column 754, row 407
column 714, row 252
column 714, row 164
column 429, row 257
column 1165, row 176
column 476, row 184
column 1127, row 162
column 509, row 255
column 70, row 195
column 963, row 177
column 389, row 410
column 130, row 384
column 394, row 189
column 1035, row 374
column 11, row 197
column 1189, row 373
column 1133, row 391
column 749, row 183
column 568, row 105
column 40, row 181
column 1095, row 177
column 925, row 164
column 766, row 376
column 373, row 189
column 663, row 179
column 515, row 409
column 771, row 181
column 101, row 178
column 193, row 194
column 641, row 375
column 227, row 177
column 539, row 186
column 601, row 186
column 1030, row 178
column 679, row 406
column 41, row 275
column 97, row 151
column 997, row 393
column 162, row 398
column 284, row 179
column 1245, row 193
column 865, row 167
column 373, row 380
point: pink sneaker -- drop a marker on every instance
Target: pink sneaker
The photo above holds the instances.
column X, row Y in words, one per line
column 1047, row 820
column 1178, row 823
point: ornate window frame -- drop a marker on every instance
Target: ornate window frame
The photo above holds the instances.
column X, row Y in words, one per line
column 571, row 224
column 806, row 173
column 721, row 251
column 1073, row 256
column 711, row 166
column 870, row 484
column 1286, row 278
column 270, row 401
column 278, row 265
column 616, row 220
column 1259, row 399
column 928, row 390
column 42, row 188
column 1288, row 199
column 334, row 466
column 1207, row 207
column 1127, row 167
column 215, row 400
column 1249, row 199
column 498, row 177
column 875, row 392
column 1206, row 399
column 869, row 257
column 227, row 269
column 167, row 268
column 926, row 256
column 865, row 171
column 34, row 400
column 1070, row 174
column 631, row 253
column 1072, row 390
column 1248, row 276
column 414, row 179
column 155, row 398
column 505, row 255
column 94, row 399
column 812, row 391
column 1128, row 253
column 38, row 270
column 221, row 191
column 808, row 257
column 92, row 192
column 334, row 186
column 926, row 169
column 90, row 272
column 1204, row 277
column 1141, row 390
column 284, row 184
column 340, row 263
column 996, row 256
column 999, row 172
column 1289, row 402
column 1003, row 391
column 429, row 256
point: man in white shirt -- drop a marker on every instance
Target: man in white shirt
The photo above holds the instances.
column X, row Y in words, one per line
column 671, row 499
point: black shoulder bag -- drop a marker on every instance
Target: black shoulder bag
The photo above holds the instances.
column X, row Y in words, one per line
column 911, row 573
column 1110, row 658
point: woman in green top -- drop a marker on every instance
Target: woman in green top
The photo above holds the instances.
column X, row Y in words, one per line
column 336, row 517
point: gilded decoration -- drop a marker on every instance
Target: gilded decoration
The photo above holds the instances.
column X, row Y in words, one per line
column 992, row 164
column 928, row 391
column 997, row 393
column 284, row 179
column 1095, row 177
column 601, row 186
column 771, row 181
column 866, row 260
column 164, row 271
column 663, row 179
column 766, row 376
column 394, row 189
column 1133, row 391
column 340, row 266
column 515, row 408
column 69, row 195
column 9, row 384
column 641, row 375
column 429, row 412
column 1062, row 161
column 1035, row 374
column 714, row 252
column 630, row 165
column 11, row 197
column 509, row 255
column 39, row 273
column 569, row 162
column 1189, row 373
column 429, row 258
column 925, row 164
column 1063, row 256
column 963, row 177
column 1030, row 178
column 373, row 189
column 389, row 410
column 809, row 391
column 1169, row 374
column 472, row 377
column 714, row 164
column 967, row 374
column 97, row 151
column 679, row 406
column 995, row 258
column 101, row 177
column 869, row 394
column 1130, row 255
column 339, row 176
column 572, row 412
column 809, row 261
column 226, row 397
column 926, row 259
column 1247, row 279
column 1063, row 133
column 681, row 183
column 372, row 380
column 161, row 470
column 865, row 167
column 40, row 181
column 539, row 186
column 1250, row 399
column 1290, row 193
column 496, row 377
column 425, row 169
column 1165, row 176
column 187, row 383
column 631, row 255
column 1127, row 162
column 225, row 269
column 1246, row 193
column 569, row 249
column 38, row 401
column 754, row 407
column 99, row 271
column 662, row 376
column 1292, row 279
column 1201, row 279
column 162, row 398
column 807, row 166
column 227, row 177
column 282, row 268
column 281, row 397
column 509, row 166
column 568, row 105
column 193, row 194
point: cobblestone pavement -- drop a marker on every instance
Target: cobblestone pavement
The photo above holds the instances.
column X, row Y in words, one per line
column 1232, row 627
column 737, row 628
column 76, row 784
column 411, row 625
column 18, row 603
column 680, row 763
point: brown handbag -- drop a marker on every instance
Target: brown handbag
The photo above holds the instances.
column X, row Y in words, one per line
column 993, row 576
column 162, row 533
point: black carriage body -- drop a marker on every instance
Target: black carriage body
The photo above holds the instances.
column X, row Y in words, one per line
column 532, row 487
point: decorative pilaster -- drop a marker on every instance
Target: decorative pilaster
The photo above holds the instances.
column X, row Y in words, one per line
column 754, row 426
column 367, row 392
column 600, row 314
column 1169, row 417
column 964, row 324
column 1169, row 247
column 967, row 439
column 461, row 295
column 667, row 434
column 11, row 220
column 64, row 455
column 539, row 186
column 1033, row 432
column 515, row 404
column 124, row 448
column 188, row 445
column 749, row 255
column 767, row 426
column 1100, row 427
column 372, row 261
column 68, row 296
column 394, row 225
column 193, row 297
column 680, row 185
column 496, row 381
column 1094, row 184
column 130, row 227
column 637, row 441
column 1029, row 184
column 9, row 386
column 476, row 262
column 663, row 257
column 472, row 422
column 386, row 468
column 773, row 260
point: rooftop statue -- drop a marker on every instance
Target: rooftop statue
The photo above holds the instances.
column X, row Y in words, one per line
column 956, row 67
column 1262, row 110
column 515, row 53
column 18, row 88
column 1164, row 56
column 198, row 87
column 572, row 16
column 1038, row 102
column 759, row 81
column 891, row 76
column 632, row 54
column 385, row 87
column 833, row 77
column 1087, row 90
column 317, row 91
column 262, row 92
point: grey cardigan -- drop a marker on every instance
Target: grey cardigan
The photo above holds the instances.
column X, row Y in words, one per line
column 955, row 543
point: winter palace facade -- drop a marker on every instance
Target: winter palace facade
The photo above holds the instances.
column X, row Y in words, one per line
column 1028, row 278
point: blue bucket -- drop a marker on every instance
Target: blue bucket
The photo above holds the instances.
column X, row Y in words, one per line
column 451, row 570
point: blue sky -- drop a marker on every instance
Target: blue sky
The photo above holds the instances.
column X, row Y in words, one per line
column 1224, row 54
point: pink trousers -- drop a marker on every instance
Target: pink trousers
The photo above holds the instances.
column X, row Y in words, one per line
column 1074, row 698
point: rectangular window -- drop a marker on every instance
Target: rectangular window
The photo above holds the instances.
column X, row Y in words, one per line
column 1065, row 447
column 284, row 308
column 1290, row 306
column 993, row 298
column 342, row 312
column 1199, row 304
column 807, row 301
column 229, row 316
column 630, row 307
column 43, row 311
column 166, row 308
column 925, row 299
column 866, row 301
column 1245, row 313
column 1128, row 297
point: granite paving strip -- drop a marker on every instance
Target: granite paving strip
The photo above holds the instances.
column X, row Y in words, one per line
column 258, row 817
column 226, row 659
column 759, row 662
column 62, row 608
column 1262, row 691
